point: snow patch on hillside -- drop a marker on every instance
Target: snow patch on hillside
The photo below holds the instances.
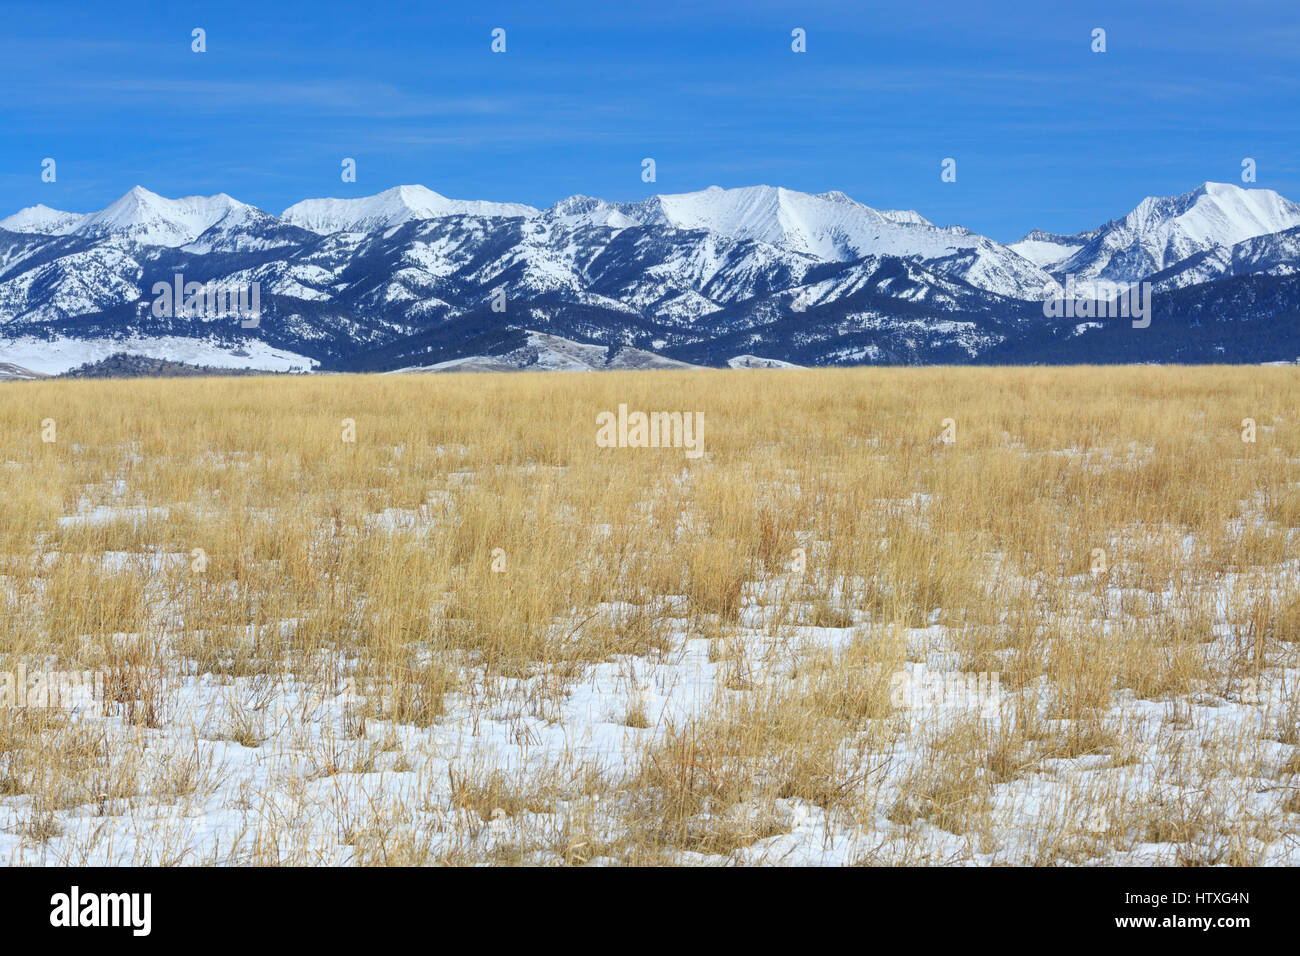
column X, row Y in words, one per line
column 58, row 355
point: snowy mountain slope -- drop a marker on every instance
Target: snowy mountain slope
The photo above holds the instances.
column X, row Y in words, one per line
column 390, row 208
column 552, row 353
column 85, row 279
column 54, row 356
column 19, row 248
column 1047, row 249
column 1274, row 254
column 753, row 361
column 1161, row 232
column 247, row 229
column 16, row 373
column 429, row 270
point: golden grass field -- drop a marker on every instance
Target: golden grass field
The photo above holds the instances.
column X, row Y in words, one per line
column 1067, row 636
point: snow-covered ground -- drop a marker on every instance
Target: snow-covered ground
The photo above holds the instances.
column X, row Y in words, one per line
column 59, row 354
column 268, row 768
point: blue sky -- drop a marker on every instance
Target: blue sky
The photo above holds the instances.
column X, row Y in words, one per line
column 1045, row 132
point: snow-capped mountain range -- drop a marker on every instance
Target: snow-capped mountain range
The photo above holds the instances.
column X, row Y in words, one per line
column 750, row 276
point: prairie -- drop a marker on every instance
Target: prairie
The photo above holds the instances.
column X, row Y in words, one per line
column 886, row 616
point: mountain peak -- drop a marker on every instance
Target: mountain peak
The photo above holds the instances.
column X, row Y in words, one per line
column 150, row 219
column 834, row 226
column 1163, row 230
column 41, row 219
column 391, row 208
column 1211, row 188
column 414, row 193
